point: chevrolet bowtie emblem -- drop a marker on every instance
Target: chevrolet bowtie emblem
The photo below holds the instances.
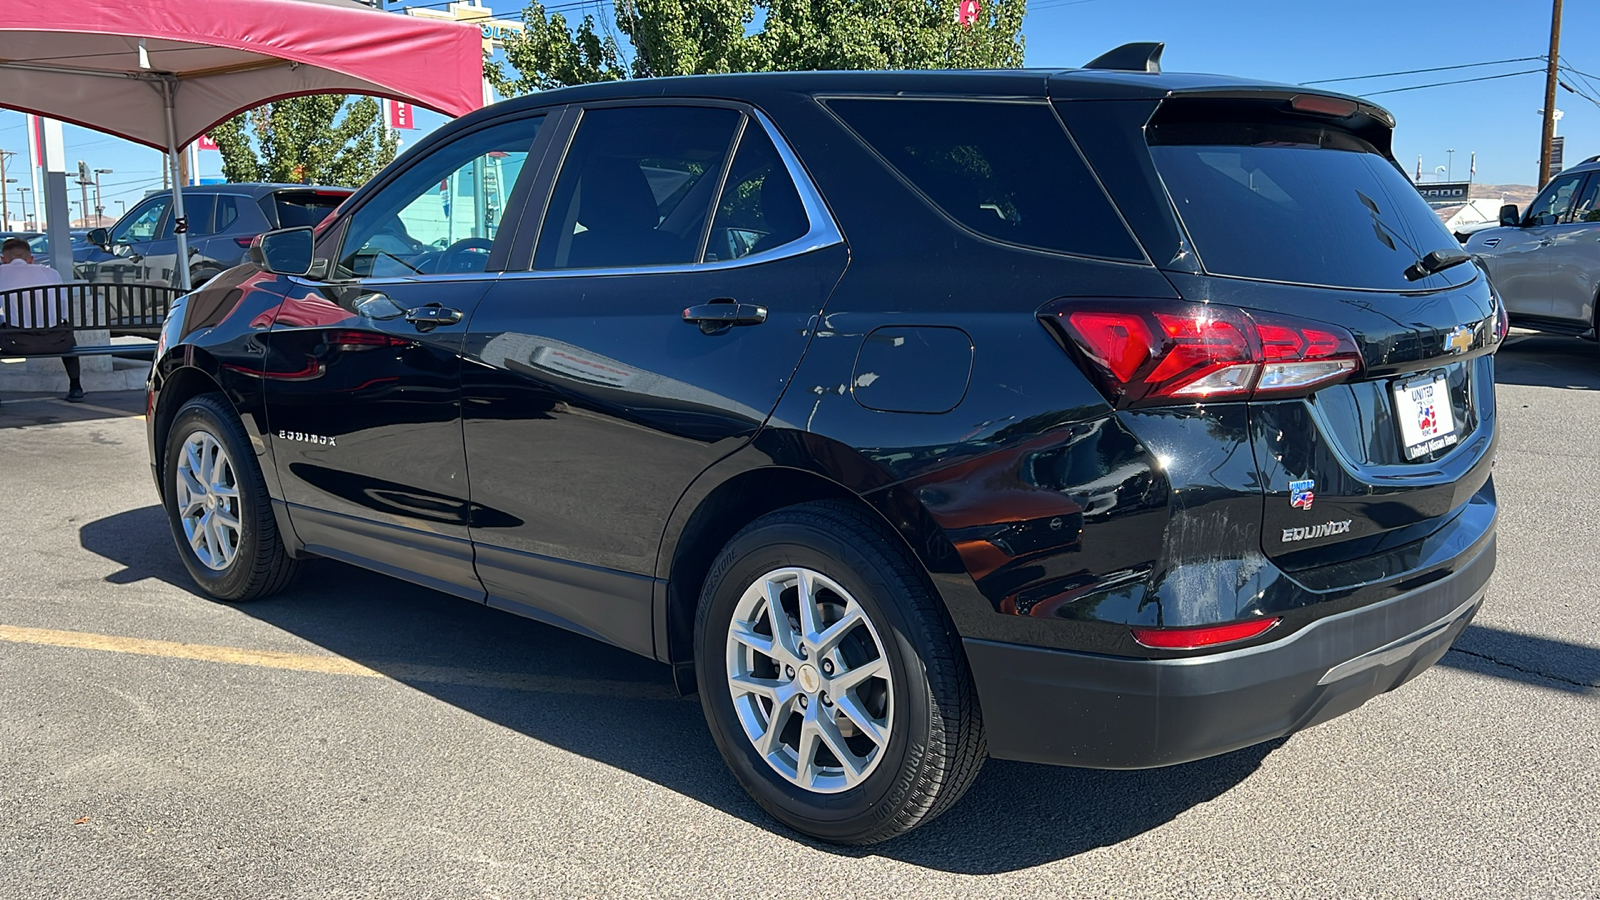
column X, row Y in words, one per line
column 1459, row 340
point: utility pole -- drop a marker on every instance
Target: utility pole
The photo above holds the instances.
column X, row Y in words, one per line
column 5, row 208
column 99, row 207
column 83, row 186
column 1550, row 93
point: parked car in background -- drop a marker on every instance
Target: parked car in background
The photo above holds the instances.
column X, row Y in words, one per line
column 1545, row 263
column 910, row 417
column 223, row 219
column 32, row 237
column 39, row 243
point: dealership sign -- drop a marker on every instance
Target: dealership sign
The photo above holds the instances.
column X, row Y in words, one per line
column 473, row 12
column 1443, row 193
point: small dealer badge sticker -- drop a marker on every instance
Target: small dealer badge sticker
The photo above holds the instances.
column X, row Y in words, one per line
column 1300, row 493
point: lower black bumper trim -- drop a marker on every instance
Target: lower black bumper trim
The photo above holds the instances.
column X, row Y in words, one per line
column 1079, row 709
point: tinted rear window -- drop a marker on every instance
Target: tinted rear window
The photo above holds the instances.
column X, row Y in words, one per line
column 302, row 208
column 1005, row 170
column 1298, row 203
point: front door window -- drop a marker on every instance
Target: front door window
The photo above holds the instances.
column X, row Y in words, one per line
column 442, row 216
column 141, row 224
column 636, row 188
column 1553, row 203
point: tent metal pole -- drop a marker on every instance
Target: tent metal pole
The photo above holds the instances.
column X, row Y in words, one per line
column 169, row 87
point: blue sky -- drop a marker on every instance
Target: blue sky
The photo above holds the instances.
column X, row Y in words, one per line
column 1276, row 40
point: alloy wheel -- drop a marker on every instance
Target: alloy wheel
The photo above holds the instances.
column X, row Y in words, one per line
column 810, row 680
column 207, row 494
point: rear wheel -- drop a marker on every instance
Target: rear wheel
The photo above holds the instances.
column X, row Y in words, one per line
column 831, row 678
column 218, row 507
column 199, row 275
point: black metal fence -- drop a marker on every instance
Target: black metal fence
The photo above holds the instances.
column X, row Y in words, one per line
column 135, row 309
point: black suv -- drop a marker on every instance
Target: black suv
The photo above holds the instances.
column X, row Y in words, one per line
column 223, row 218
column 1100, row 417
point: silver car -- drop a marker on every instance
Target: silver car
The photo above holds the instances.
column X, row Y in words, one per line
column 1546, row 263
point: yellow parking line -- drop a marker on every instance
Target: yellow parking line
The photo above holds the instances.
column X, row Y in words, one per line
column 332, row 665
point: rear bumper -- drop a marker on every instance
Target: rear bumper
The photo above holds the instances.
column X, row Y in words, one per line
column 1065, row 708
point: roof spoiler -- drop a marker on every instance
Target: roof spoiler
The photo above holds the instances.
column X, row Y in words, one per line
column 1144, row 56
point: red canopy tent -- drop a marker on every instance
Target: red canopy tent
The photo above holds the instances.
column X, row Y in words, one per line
column 162, row 72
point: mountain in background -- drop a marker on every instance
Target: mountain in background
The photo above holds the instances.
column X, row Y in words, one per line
column 1520, row 194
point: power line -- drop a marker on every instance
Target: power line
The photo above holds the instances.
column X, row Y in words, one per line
column 1579, row 90
column 1418, row 87
column 1496, row 62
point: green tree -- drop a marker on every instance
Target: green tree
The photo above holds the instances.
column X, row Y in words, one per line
column 695, row 37
column 321, row 139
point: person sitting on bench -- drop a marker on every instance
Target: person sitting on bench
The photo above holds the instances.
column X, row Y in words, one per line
column 52, row 334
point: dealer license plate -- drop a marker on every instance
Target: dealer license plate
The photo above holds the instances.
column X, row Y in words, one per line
column 1422, row 406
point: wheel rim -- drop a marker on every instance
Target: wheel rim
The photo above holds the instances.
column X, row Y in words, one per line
column 208, row 501
column 809, row 680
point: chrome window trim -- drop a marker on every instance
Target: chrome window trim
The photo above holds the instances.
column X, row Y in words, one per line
column 823, row 231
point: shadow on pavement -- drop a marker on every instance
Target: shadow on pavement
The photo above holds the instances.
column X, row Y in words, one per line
column 1537, row 661
column 1017, row 815
column 26, row 410
column 1542, row 360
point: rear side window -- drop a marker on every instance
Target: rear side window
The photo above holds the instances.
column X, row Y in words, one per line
column 197, row 209
column 760, row 208
column 1587, row 208
column 1296, row 203
column 1005, row 170
column 304, row 208
column 227, row 213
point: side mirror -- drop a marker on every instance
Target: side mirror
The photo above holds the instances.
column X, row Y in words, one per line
column 100, row 238
column 1509, row 215
column 287, row 251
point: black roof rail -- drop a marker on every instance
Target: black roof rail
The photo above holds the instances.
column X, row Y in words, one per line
column 1590, row 160
column 1144, row 56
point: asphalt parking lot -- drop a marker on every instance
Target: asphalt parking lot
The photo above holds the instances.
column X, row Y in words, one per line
column 357, row 736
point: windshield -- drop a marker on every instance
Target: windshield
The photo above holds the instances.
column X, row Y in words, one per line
column 305, row 208
column 1299, row 203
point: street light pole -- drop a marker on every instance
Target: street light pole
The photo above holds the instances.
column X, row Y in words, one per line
column 1449, row 165
column 99, row 207
column 5, row 208
column 1549, row 132
column 22, row 194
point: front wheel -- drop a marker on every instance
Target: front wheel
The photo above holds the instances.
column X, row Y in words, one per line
column 218, row 507
column 831, row 678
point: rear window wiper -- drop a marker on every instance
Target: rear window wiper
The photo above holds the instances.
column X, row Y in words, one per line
column 1437, row 261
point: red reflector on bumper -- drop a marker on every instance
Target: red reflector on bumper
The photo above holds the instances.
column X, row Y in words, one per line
column 1205, row 636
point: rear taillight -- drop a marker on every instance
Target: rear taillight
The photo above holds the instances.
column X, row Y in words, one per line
column 245, row 241
column 1502, row 322
column 1148, row 353
column 1204, row 636
column 362, row 340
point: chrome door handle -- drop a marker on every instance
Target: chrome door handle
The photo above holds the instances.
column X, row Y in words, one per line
column 720, row 315
column 429, row 317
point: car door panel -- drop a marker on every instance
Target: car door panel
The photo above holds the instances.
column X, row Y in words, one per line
column 363, row 371
column 591, row 405
column 1522, row 266
column 1517, row 266
column 365, row 419
column 1574, row 257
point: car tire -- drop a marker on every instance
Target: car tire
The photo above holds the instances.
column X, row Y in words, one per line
column 904, row 708
column 218, row 507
